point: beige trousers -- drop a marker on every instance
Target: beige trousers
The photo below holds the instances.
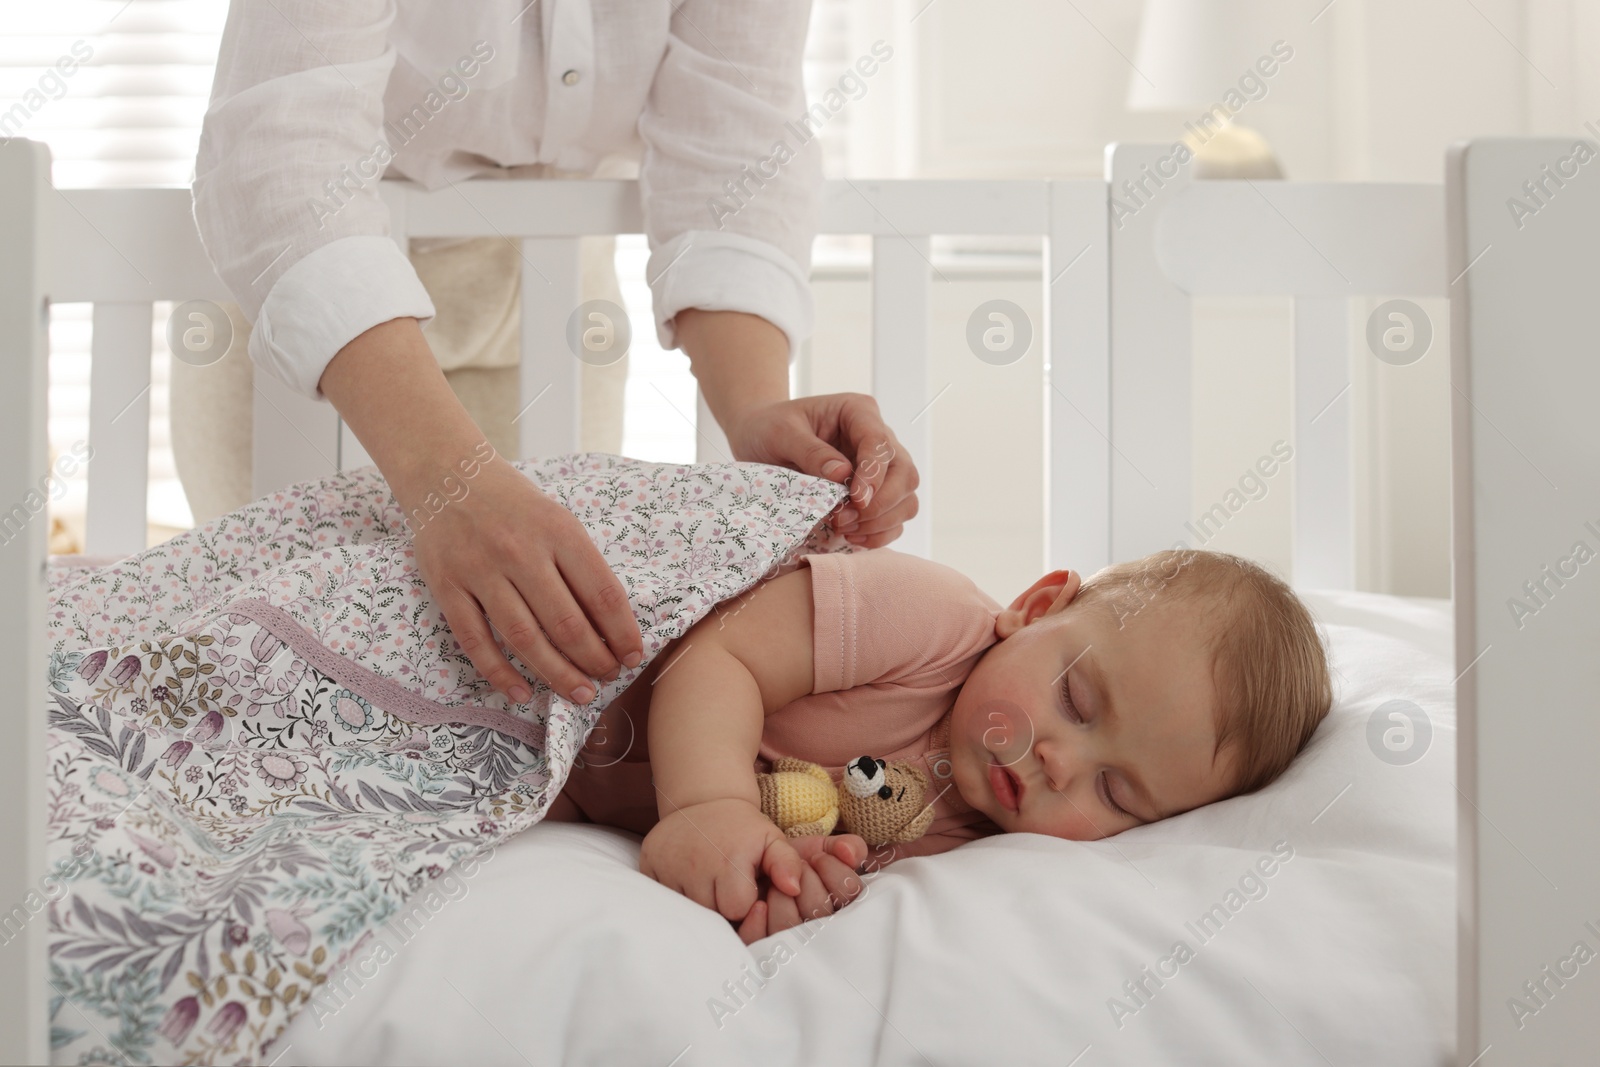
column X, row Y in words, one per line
column 474, row 284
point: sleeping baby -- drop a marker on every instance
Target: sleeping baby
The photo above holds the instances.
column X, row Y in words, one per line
column 1086, row 707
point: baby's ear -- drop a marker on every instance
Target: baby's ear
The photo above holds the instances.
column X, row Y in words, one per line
column 1049, row 594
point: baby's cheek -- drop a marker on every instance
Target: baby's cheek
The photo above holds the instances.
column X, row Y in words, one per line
column 1072, row 820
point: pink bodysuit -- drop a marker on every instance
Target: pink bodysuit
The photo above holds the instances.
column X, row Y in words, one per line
column 895, row 636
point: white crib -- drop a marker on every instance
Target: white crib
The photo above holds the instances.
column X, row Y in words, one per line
column 1116, row 289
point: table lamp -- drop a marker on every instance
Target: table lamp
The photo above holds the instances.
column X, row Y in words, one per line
column 1190, row 54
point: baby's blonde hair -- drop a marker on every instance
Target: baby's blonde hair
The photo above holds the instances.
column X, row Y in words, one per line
column 1269, row 665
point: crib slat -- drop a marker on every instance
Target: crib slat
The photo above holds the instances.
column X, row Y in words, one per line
column 1151, row 345
column 119, row 429
column 1078, row 382
column 549, row 408
column 352, row 453
column 1324, row 549
column 293, row 438
column 710, row 443
column 900, row 268
column 26, row 235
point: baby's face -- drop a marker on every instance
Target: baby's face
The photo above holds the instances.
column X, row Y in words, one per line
column 1075, row 727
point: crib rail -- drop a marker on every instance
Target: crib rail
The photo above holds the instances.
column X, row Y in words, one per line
column 1116, row 294
column 125, row 249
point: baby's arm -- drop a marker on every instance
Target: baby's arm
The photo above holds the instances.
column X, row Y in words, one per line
column 707, row 709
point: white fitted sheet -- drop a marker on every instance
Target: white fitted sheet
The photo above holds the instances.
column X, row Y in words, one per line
column 1008, row 950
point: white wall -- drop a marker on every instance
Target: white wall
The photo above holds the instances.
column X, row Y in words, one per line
column 1375, row 91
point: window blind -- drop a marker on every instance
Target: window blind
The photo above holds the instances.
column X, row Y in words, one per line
column 117, row 89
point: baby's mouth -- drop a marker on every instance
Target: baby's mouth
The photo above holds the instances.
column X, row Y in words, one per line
column 1007, row 787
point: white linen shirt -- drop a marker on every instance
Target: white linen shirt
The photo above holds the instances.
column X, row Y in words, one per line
column 311, row 98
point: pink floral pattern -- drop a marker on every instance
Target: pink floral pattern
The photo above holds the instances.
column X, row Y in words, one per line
column 263, row 738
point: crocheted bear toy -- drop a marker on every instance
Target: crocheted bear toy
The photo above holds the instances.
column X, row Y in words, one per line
column 880, row 802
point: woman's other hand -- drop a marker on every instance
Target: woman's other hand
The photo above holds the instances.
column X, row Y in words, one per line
column 841, row 437
column 742, row 364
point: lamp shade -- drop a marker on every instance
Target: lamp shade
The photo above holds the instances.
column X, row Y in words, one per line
column 1192, row 51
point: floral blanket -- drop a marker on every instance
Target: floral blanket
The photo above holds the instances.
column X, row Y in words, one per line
column 263, row 740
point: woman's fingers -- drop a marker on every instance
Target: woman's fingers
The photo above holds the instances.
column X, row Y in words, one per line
column 832, row 436
column 472, row 633
column 875, row 532
column 885, row 476
column 508, row 611
column 561, row 626
column 600, row 592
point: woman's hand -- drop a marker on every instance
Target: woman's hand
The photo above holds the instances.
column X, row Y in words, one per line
column 505, row 549
column 829, row 885
column 488, row 540
column 833, row 437
column 742, row 364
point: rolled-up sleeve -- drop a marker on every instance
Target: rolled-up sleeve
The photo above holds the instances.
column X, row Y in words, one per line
column 730, row 175
column 295, row 122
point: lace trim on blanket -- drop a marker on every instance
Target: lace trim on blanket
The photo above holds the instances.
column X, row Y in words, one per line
column 391, row 697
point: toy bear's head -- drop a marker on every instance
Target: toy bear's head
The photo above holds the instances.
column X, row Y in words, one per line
column 883, row 802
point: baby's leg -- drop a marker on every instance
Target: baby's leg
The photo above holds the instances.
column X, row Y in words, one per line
column 564, row 809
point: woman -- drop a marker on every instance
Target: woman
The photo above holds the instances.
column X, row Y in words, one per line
column 314, row 101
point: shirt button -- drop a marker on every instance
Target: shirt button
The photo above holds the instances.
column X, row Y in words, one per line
column 941, row 768
column 570, row 78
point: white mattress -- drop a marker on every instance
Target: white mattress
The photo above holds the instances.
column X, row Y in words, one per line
column 1007, row 950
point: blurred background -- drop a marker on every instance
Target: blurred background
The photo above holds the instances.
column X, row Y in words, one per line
column 1371, row 91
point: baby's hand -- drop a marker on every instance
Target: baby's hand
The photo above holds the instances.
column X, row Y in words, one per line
column 713, row 852
column 829, row 884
